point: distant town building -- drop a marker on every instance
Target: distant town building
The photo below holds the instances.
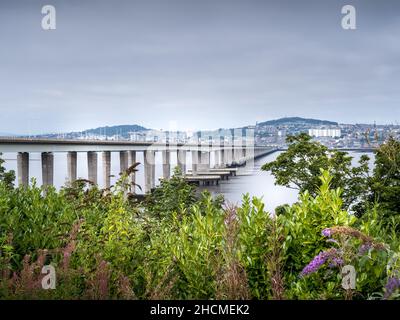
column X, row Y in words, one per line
column 331, row 133
column 138, row 136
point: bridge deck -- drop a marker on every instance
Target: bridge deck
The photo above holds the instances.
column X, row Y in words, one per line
column 223, row 174
column 65, row 145
column 232, row 171
column 205, row 180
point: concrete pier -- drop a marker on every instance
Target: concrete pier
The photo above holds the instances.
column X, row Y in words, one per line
column 123, row 166
column 92, row 166
column 181, row 159
column 196, row 158
column 153, row 171
column 237, row 153
column 131, row 158
column 131, row 162
column 221, row 158
column 23, row 168
column 166, row 160
column 203, row 179
column 244, row 155
column 217, row 161
column 224, row 175
column 72, row 164
column 47, row 168
column 106, row 159
column 232, row 171
column 228, row 156
column 123, row 161
column 204, row 163
column 149, row 170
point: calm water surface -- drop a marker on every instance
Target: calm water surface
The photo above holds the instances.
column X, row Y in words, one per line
column 262, row 184
column 256, row 182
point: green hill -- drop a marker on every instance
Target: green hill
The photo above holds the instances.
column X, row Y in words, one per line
column 122, row 130
column 297, row 120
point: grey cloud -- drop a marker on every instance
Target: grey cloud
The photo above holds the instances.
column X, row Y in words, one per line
column 204, row 64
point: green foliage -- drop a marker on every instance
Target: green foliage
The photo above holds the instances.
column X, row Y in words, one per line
column 172, row 196
column 299, row 167
column 7, row 177
column 35, row 220
column 197, row 250
column 178, row 244
column 253, row 221
column 303, row 224
column 385, row 183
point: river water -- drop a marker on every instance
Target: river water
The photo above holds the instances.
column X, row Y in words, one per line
column 250, row 179
column 261, row 184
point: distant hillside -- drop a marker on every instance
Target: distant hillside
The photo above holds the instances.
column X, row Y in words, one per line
column 109, row 131
column 297, row 120
column 122, row 130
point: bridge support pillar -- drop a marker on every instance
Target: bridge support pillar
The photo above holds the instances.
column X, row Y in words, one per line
column 181, row 159
column 153, row 171
column 23, row 168
column 204, row 163
column 149, row 170
column 228, row 156
column 196, row 159
column 47, row 168
column 123, row 165
column 123, row 161
column 72, row 163
column 221, row 157
column 166, row 159
column 92, row 166
column 106, row 159
column 237, row 155
column 131, row 162
column 217, row 159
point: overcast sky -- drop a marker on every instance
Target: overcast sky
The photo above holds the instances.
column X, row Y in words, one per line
column 196, row 63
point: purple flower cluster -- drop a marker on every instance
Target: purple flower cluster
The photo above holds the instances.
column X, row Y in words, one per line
column 332, row 240
column 327, row 232
column 336, row 262
column 392, row 285
column 319, row 261
column 364, row 248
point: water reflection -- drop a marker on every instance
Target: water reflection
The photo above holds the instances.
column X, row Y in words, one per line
column 262, row 184
column 257, row 183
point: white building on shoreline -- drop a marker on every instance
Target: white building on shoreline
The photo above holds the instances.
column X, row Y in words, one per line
column 330, row 133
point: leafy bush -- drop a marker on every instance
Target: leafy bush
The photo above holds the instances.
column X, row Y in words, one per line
column 299, row 168
column 178, row 244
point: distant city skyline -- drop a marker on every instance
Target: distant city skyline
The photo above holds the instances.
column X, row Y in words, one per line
column 200, row 65
column 183, row 130
column 334, row 125
column 166, row 128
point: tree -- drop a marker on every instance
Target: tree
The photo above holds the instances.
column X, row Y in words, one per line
column 385, row 182
column 7, row 177
column 176, row 195
column 300, row 168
